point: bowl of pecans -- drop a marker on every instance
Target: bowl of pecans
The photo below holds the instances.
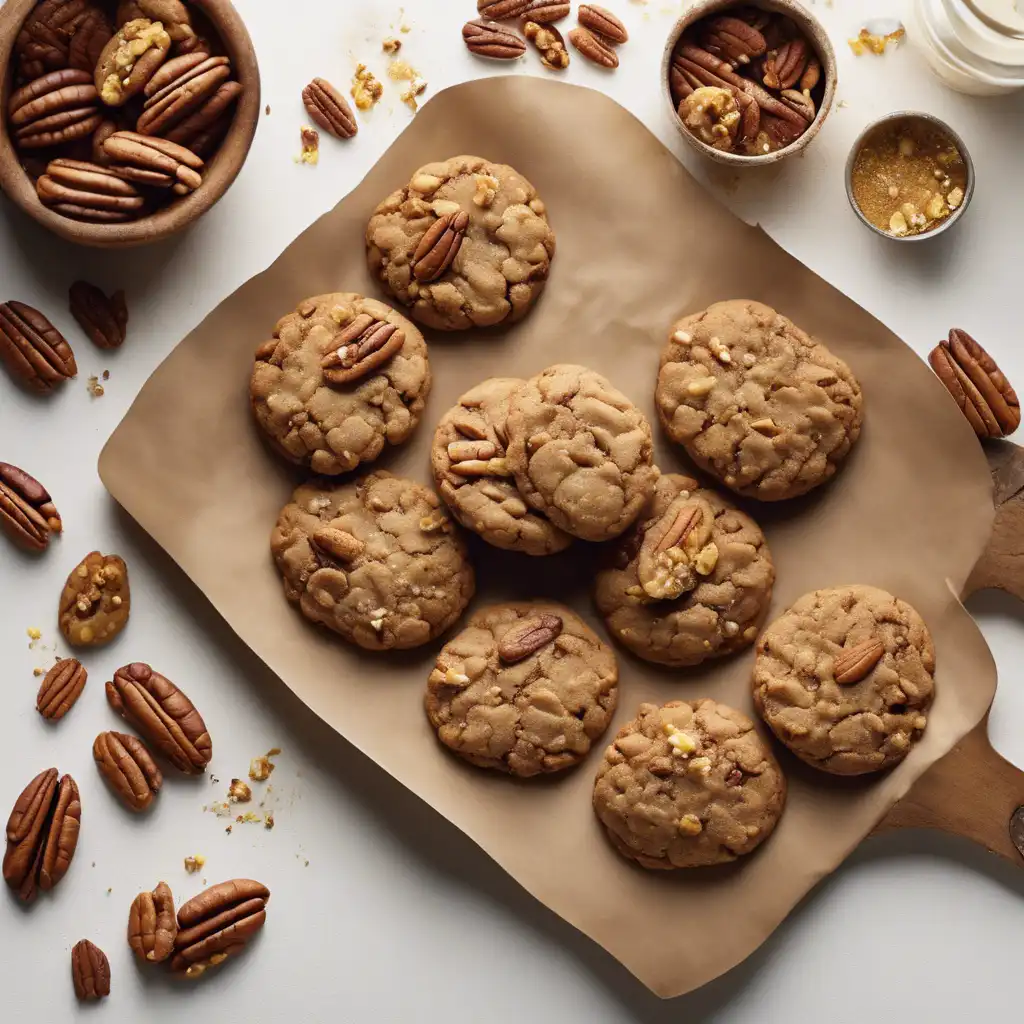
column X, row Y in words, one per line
column 123, row 121
column 749, row 84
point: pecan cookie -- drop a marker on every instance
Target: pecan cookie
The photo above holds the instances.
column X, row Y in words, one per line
column 691, row 580
column 375, row 560
column 844, row 679
column 756, row 401
column 524, row 688
column 342, row 377
column 465, row 244
column 581, row 452
column 688, row 784
column 474, row 478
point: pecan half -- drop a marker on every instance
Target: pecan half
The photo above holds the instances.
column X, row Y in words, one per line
column 489, row 39
column 594, row 48
column 91, row 35
column 783, row 68
column 27, row 512
column 602, row 22
column 439, row 246
column 972, row 377
column 58, row 107
column 42, row 833
column 130, row 60
column 801, row 102
column 666, row 562
column 329, row 109
column 528, row 637
column 87, row 191
column 128, row 767
column 733, row 40
column 217, row 923
column 60, row 688
column 90, row 971
column 179, row 88
column 104, row 320
column 158, row 163
column 203, row 130
column 42, row 44
column 339, row 544
column 33, row 350
column 547, row 11
column 95, row 602
column 361, row 347
column 163, row 714
column 496, row 10
column 152, row 927
column 172, row 14
column 854, row 663
column 549, row 44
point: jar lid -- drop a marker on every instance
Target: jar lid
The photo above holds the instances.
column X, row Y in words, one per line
column 1004, row 16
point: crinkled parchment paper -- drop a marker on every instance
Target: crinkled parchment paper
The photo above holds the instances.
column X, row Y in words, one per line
column 639, row 244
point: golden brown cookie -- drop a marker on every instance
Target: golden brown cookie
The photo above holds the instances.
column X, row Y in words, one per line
column 690, row 580
column 475, row 480
column 376, row 560
column 844, row 679
column 342, row 377
column 581, row 452
column 465, row 244
column 524, row 688
column 688, row 784
column 761, row 405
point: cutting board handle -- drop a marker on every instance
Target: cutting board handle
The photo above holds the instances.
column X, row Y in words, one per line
column 973, row 791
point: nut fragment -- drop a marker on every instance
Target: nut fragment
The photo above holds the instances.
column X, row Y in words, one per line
column 856, row 662
column 365, row 344
column 665, row 563
column 339, row 544
column 489, row 39
column 104, row 320
column 594, row 48
column 32, row 349
column 602, row 22
column 96, row 601
column 439, row 246
column 549, row 44
column 128, row 767
column 981, row 390
column 61, row 687
column 528, row 637
column 152, row 927
column 90, row 971
column 27, row 512
column 366, row 90
column 329, row 109
column 713, row 115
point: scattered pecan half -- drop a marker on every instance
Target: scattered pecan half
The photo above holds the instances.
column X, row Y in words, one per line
column 152, row 927
column 496, row 10
column 42, row 833
column 27, row 511
column 489, row 39
column 128, row 767
column 594, row 48
column 329, row 109
column 528, row 637
column 90, row 971
column 104, row 320
column 60, row 688
column 33, row 350
column 547, row 11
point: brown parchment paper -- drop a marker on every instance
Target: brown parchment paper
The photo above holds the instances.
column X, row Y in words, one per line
column 639, row 244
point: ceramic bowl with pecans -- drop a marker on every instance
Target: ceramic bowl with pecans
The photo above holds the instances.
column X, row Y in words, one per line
column 123, row 121
column 748, row 84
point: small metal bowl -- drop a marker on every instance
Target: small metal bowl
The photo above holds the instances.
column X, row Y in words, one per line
column 936, row 122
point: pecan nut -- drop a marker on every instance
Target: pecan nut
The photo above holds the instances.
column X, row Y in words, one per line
column 163, row 714
column 128, row 767
column 594, row 48
column 733, row 40
column 58, row 107
column 439, row 246
column 95, row 602
column 44, row 40
column 42, row 833
column 972, row 377
column 489, row 39
column 172, row 14
column 203, row 130
column 801, row 102
column 329, row 109
column 27, row 512
column 152, row 926
column 549, row 44
column 547, row 11
column 91, row 35
column 217, row 923
column 528, row 637
column 33, row 350
column 104, row 320
column 601, row 22
column 158, row 163
column 666, row 565
column 854, row 663
column 179, row 88
column 60, row 688
column 130, row 60
column 90, row 971
column 107, row 128
column 87, row 191
column 365, row 344
column 783, row 68
column 497, row 10
column 339, row 544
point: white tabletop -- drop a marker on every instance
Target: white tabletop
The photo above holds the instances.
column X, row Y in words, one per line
column 381, row 911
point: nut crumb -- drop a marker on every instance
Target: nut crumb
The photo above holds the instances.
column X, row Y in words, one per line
column 391, row 45
column 239, row 791
column 416, row 88
column 268, row 820
column 228, row 830
column 38, row 672
column 34, row 633
column 866, row 40
column 260, row 768
column 267, row 110
column 106, row 375
column 94, row 387
column 366, row 90
column 310, row 146
column 194, row 864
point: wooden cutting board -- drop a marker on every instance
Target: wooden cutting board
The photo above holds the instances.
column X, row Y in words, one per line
column 972, row 791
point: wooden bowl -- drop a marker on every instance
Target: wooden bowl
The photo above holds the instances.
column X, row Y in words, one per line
column 816, row 36
column 220, row 172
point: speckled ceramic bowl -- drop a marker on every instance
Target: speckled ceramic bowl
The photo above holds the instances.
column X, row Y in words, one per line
column 816, row 35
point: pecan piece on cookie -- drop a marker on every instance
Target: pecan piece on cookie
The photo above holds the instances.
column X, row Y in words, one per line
column 329, row 109
column 104, row 320
column 87, row 191
column 489, row 39
column 854, row 663
column 601, row 22
column 33, row 350
column 27, row 512
column 130, row 60
column 152, row 927
column 158, row 163
column 90, row 971
column 528, row 637
column 95, row 602
column 129, row 768
column 979, row 387
column 59, row 107
column 439, row 246
column 60, row 688
column 594, row 48
column 163, row 714
column 217, row 923
column 42, row 833
column 180, row 86
column 365, row 344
